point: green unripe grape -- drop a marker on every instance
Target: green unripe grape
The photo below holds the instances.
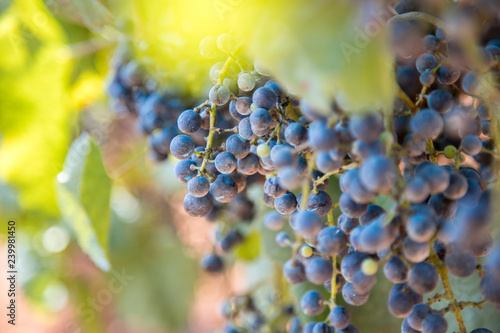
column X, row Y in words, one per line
column 450, row 151
column 369, row 266
column 219, row 94
column 226, row 43
column 208, row 47
column 246, row 82
column 253, row 107
column 215, row 72
column 263, row 150
column 231, row 85
column 387, row 138
column 306, row 251
column 260, row 68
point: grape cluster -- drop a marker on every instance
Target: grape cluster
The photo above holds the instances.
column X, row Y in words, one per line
column 432, row 159
column 132, row 92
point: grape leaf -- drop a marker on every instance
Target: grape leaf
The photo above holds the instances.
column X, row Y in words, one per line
column 250, row 248
column 323, row 50
column 83, row 193
column 91, row 13
column 34, row 110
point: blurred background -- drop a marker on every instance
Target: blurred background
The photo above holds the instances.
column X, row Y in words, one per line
column 102, row 240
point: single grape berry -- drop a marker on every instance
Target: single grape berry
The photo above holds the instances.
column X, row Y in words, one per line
column 224, row 188
column 308, row 224
column 263, row 150
column 434, row 323
column 219, row 94
column 366, row 128
column 246, row 82
column 450, row 151
column 312, row 304
column 243, row 105
column 447, row 75
column 440, row 100
column 427, row 78
column 198, row 207
column 378, row 174
column 189, row 121
column 322, row 328
column 331, row 241
column 226, row 43
column 418, row 315
column 282, row 239
column 286, row 204
column 294, row 271
column 431, row 43
column 425, row 62
column 264, row 97
column 339, row 317
column 182, row 146
column 427, row 123
column 352, row 297
column 395, row 270
column 212, row 263
column 461, row 262
column 423, row 278
column 237, row 146
column 225, row 162
column 296, row 134
column 319, row 270
column 472, row 145
column 208, row 47
column 198, row 186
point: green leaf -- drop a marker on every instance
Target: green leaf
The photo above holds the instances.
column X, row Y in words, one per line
column 34, row 108
column 250, row 248
column 83, row 193
column 164, row 275
column 330, row 46
column 91, row 13
column 269, row 246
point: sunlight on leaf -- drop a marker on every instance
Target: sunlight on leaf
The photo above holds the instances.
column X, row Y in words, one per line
column 83, row 194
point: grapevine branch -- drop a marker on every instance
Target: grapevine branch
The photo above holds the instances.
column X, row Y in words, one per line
column 454, row 305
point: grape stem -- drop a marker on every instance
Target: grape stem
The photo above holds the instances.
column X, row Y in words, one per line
column 454, row 305
column 305, row 184
column 228, row 130
column 210, row 139
column 276, row 130
column 431, row 150
column 201, row 106
column 409, row 103
column 344, row 168
column 436, row 298
column 478, row 305
column 421, row 96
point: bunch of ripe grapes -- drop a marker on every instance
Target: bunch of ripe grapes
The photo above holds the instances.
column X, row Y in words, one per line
column 433, row 157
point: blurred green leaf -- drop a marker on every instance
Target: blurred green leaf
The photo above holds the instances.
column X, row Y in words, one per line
column 162, row 291
column 331, row 45
column 250, row 248
column 269, row 246
column 34, row 108
column 91, row 13
column 83, row 193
